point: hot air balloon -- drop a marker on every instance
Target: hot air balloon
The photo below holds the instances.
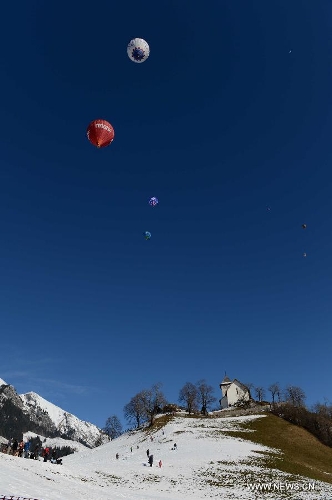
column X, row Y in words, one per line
column 100, row 133
column 138, row 50
column 153, row 201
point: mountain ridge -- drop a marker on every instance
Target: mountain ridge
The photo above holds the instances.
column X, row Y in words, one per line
column 21, row 413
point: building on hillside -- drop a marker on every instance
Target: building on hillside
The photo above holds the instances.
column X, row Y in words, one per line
column 232, row 392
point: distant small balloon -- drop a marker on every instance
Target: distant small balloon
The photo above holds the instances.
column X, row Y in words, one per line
column 100, row 133
column 304, row 226
column 138, row 50
column 153, row 201
column 147, row 235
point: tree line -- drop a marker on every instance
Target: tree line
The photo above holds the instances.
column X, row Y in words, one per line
column 288, row 403
column 146, row 404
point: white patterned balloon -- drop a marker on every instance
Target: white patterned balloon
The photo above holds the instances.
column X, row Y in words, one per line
column 138, row 50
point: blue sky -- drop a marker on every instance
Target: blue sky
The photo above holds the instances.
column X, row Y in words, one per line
column 221, row 122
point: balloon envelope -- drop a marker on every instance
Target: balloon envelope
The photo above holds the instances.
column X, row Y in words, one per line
column 100, row 133
column 153, row 201
column 138, row 50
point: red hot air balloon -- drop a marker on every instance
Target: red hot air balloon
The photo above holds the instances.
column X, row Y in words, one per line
column 100, row 133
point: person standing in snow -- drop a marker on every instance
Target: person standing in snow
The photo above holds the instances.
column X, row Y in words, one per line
column 9, row 446
column 148, row 453
column 36, row 452
column 117, row 456
column 27, row 449
column 160, row 463
column 15, row 446
column 20, row 449
column 151, row 460
column 46, row 453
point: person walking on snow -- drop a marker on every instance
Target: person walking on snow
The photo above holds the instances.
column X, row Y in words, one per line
column 160, row 463
column 148, row 453
column 151, row 460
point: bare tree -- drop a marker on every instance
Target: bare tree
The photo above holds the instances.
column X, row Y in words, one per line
column 153, row 400
column 274, row 390
column 323, row 409
column 279, row 395
column 134, row 411
column 259, row 391
column 189, row 396
column 205, row 395
column 249, row 386
column 113, row 427
column 295, row 395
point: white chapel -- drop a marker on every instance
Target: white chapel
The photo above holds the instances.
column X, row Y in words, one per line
column 232, row 391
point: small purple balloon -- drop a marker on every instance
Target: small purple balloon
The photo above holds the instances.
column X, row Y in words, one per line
column 153, row 201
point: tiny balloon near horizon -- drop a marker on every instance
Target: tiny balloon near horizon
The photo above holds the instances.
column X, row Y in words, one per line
column 153, row 201
column 138, row 50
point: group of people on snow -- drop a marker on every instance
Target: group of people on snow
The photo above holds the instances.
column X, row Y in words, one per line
column 150, row 459
column 149, row 456
column 23, row 450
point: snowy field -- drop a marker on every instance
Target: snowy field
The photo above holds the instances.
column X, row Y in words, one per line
column 206, row 464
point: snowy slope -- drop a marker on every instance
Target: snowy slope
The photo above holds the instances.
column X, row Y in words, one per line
column 207, row 464
column 69, row 425
column 2, row 382
column 31, row 399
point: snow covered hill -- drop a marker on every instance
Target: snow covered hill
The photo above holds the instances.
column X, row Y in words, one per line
column 208, row 463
